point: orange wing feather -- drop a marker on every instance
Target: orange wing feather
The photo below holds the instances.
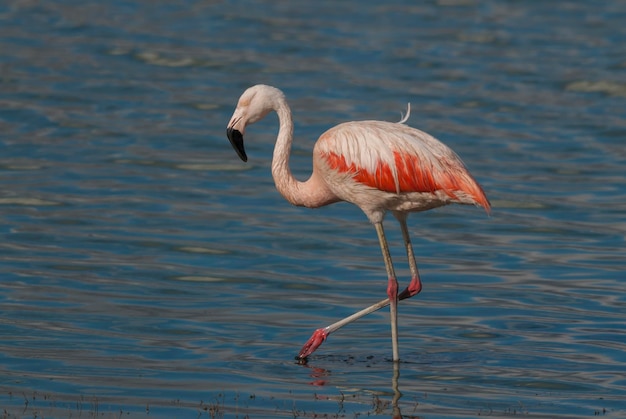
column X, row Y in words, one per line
column 409, row 176
column 394, row 158
column 412, row 176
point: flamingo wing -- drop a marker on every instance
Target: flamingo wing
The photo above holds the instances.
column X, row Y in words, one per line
column 395, row 158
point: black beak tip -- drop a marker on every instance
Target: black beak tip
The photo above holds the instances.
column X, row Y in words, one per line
column 236, row 140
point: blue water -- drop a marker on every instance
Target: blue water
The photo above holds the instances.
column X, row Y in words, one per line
column 147, row 272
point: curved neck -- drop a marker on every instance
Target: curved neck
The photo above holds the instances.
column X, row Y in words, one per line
column 287, row 185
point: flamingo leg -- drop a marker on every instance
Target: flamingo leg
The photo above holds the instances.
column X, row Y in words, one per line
column 415, row 286
column 392, row 290
column 321, row 334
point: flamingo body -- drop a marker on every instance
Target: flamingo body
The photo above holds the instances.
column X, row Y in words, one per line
column 378, row 166
column 383, row 166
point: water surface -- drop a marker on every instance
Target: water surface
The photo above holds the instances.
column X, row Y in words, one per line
column 146, row 271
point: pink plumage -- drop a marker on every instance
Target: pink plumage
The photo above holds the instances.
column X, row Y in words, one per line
column 378, row 166
column 417, row 170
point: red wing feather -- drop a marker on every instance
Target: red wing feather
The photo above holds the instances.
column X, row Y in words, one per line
column 411, row 175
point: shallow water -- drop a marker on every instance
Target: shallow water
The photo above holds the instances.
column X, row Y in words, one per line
column 146, row 271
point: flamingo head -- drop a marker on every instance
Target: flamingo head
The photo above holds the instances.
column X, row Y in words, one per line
column 254, row 104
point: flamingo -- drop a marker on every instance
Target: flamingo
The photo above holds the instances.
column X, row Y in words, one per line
column 378, row 166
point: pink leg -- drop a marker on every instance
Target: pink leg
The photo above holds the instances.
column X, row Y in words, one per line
column 392, row 291
column 320, row 335
column 415, row 286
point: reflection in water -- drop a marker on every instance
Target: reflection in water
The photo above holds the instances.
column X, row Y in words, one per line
column 396, row 391
column 380, row 406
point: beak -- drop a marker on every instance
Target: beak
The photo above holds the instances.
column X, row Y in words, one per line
column 236, row 140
